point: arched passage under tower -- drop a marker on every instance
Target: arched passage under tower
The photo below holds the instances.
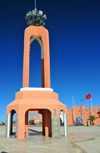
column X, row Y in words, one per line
column 11, row 122
column 46, row 121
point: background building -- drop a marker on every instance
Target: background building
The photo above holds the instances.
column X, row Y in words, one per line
column 36, row 119
column 82, row 113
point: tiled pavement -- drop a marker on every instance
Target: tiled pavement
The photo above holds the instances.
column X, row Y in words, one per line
column 90, row 146
column 76, row 142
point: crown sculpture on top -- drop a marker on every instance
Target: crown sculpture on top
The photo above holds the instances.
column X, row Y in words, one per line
column 36, row 17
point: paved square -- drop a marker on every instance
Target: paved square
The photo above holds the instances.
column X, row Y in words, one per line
column 80, row 140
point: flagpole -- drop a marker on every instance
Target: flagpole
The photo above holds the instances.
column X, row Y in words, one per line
column 73, row 108
column 82, row 110
column 89, row 97
column 91, row 106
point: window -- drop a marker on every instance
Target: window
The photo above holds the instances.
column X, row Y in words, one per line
column 92, row 110
column 98, row 109
column 86, row 110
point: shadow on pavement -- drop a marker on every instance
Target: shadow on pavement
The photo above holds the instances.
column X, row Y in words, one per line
column 34, row 132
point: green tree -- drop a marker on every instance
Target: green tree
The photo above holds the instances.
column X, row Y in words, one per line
column 92, row 118
column 14, row 122
column 40, row 123
column 2, row 123
column 31, row 122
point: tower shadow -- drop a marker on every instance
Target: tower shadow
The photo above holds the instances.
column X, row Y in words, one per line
column 34, row 132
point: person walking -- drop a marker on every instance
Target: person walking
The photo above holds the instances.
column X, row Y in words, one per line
column 89, row 123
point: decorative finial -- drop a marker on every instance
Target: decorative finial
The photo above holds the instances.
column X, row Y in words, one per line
column 35, row 17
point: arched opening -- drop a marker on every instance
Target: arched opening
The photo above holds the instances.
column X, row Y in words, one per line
column 11, row 129
column 63, row 123
column 35, row 124
column 40, row 122
column 35, row 72
column 14, row 124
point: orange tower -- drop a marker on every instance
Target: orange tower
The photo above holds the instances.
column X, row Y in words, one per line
column 36, row 100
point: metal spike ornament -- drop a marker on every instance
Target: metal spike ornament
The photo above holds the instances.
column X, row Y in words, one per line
column 35, row 17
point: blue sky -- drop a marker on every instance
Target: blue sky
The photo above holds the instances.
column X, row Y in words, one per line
column 74, row 30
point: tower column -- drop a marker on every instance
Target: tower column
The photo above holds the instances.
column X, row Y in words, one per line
column 42, row 64
column 47, row 123
column 26, row 124
column 26, row 63
column 21, row 125
column 43, row 122
column 46, row 60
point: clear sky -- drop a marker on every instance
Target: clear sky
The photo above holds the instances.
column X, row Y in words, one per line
column 74, row 30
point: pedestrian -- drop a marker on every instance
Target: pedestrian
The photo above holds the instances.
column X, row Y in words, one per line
column 87, row 123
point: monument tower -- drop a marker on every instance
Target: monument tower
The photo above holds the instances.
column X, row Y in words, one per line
column 36, row 100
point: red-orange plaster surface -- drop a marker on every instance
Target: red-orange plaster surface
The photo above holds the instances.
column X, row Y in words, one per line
column 29, row 101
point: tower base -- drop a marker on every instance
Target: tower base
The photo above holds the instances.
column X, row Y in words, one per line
column 36, row 100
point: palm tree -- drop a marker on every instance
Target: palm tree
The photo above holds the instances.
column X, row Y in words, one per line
column 92, row 118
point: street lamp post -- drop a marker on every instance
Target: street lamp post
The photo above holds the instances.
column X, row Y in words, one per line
column 83, row 110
